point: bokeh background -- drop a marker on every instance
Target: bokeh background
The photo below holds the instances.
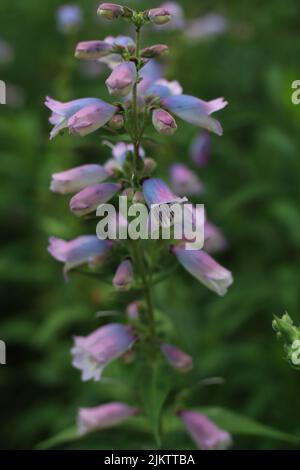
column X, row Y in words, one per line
column 252, row 194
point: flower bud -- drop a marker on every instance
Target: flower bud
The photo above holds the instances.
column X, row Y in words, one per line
column 163, row 122
column 104, row 416
column 159, row 16
column 133, row 310
column 78, row 178
column 110, row 11
column 177, row 358
column 92, row 50
column 149, row 166
column 204, row 432
column 285, row 328
column 117, row 122
column 91, row 118
column 121, row 80
column 154, row 52
column 87, row 200
column 124, row 276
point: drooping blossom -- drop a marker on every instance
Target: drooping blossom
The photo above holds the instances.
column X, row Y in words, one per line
column 184, row 181
column 92, row 50
column 91, row 118
column 204, row 432
column 163, row 122
column 92, row 353
column 81, row 250
column 200, row 149
column 124, row 276
column 62, row 112
column 121, row 80
column 156, row 191
column 69, row 18
column 104, row 416
column 204, row 268
column 88, row 199
column 78, row 178
column 177, row 358
column 196, row 111
column 159, row 16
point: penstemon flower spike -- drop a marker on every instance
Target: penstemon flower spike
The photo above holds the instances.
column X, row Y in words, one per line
column 144, row 98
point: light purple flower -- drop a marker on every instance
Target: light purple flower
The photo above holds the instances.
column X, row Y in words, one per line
column 91, row 118
column 62, row 112
column 121, row 80
column 78, row 178
column 163, row 88
column 177, row 358
column 204, row 432
column 157, row 192
column 110, row 11
column 104, row 416
column 69, row 18
column 133, row 310
column 124, row 277
column 184, row 181
column 159, row 16
column 205, row 27
column 214, row 239
column 163, row 122
column 91, row 354
column 90, row 198
column 81, row 250
column 92, row 50
column 204, row 268
column 177, row 20
column 196, row 111
column 200, row 149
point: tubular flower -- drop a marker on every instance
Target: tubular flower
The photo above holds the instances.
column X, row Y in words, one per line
column 90, row 198
column 204, row 432
column 104, row 416
column 163, row 88
column 110, row 11
column 91, row 354
column 200, row 149
column 184, row 181
column 91, row 118
column 177, row 358
column 154, row 52
column 163, row 122
column 159, row 16
column 121, row 80
column 62, row 112
column 124, row 278
column 79, row 251
column 155, row 191
column 78, row 178
column 92, row 50
column 204, row 268
column 196, row 111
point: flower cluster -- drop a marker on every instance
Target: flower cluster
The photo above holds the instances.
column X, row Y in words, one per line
column 141, row 97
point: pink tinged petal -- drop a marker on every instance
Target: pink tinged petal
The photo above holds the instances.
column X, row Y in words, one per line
column 124, row 276
column 104, row 416
column 163, row 122
column 90, row 198
column 155, row 191
column 177, row 20
column 196, row 111
column 91, row 354
column 200, row 149
column 78, row 178
column 159, row 16
column 92, row 50
column 110, row 11
column 133, row 310
column 184, row 181
column 79, row 251
column 155, row 51
column 177, row 358
column 163, row 88
column 214, row 239
column 121, row 80
column 91, row 118
column 204, row 268
column 204, row 432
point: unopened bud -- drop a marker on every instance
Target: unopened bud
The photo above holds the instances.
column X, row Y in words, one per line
column 110, row 11
column 159, row 16
column 92, row 50
column 163, row 122
column 154, row 52
column 149, row 166
column 117, row 122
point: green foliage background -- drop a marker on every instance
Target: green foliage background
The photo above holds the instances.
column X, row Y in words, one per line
column 252, row 193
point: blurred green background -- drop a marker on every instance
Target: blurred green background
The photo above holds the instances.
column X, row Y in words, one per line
column 252, row 193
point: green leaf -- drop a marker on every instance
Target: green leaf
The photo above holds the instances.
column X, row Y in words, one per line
column 239, row 424
column 68, row 435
